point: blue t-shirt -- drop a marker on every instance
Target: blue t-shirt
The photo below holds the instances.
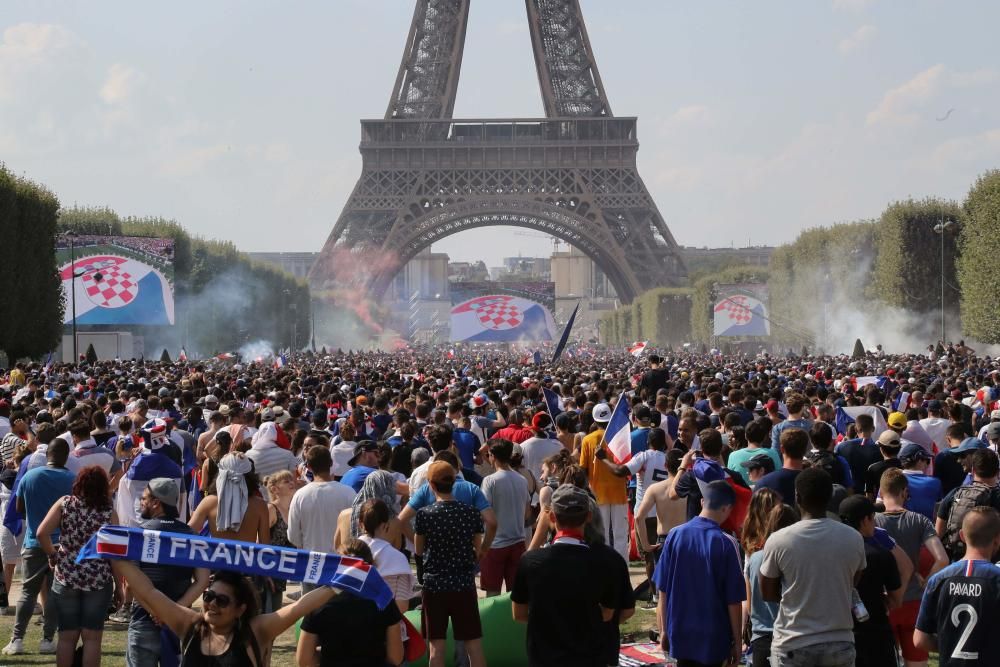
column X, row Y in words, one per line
column 640, row 441
column 463, row 491
column 467, row 444
column 40, row 489
column 699, row 571
column 804, row 424
column 356, row 476
column 960, row 605
column 925, row 491
column 762, row 613
column 782, row 481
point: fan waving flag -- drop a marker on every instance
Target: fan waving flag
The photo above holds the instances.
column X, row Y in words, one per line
column 553, row 403
column 565, row 335
column 636, row 349
column 618, row 435
column 250, row 558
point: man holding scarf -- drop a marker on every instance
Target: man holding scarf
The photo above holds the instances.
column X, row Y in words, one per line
column 149, row 643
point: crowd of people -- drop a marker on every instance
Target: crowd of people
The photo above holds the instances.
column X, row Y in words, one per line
column 821, row 511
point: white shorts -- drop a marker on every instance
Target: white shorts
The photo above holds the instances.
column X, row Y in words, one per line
column 10, row 546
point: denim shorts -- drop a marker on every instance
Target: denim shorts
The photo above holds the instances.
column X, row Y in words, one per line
column 86, row 610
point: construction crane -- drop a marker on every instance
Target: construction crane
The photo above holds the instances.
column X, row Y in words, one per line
column 556, row 241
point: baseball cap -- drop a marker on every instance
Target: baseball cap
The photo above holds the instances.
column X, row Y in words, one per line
column 540, row 421
column 165, row 490
column 759, row 460
column 439, row 472
column 361, row 448
column 570, row 500
column 993, row 431
column 224, row 409
column 934, row 405
column 643, row 413
column 969, row 445
column 897, row 420
column 912, row 452
column 718, row 494
column 602, row 413
column 267, row 415
column 995, row 415
column 211, row 399
column 478, row 401
column 855, row 508
column 889, row 439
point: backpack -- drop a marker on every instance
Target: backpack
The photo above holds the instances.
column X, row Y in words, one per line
column 827, row 460
column 965, row 498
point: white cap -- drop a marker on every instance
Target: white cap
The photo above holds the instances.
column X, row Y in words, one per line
column 602, row 413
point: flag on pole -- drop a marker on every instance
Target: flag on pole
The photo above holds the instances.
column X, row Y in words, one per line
column 565, row 334
column 618, row 434
column 553, row 402
column 637, row 348
column 183, row 356
column 451, row 353
column 48, row 363
column 279, row 361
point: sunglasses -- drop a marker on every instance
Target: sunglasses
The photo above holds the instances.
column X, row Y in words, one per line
column 221, row 600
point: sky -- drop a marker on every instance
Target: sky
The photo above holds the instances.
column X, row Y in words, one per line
column 240, row 118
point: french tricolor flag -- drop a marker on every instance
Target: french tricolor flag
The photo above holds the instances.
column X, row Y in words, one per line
column 352, row 572
column 114, row 544
column 618, row 435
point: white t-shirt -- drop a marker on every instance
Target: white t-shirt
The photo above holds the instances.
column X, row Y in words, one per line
column 536, row 450
column 313, row 514
column 649, row 466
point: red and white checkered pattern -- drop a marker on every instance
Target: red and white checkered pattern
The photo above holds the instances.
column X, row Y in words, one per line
column 497, row 313
column 116, row 287
column 736, row 309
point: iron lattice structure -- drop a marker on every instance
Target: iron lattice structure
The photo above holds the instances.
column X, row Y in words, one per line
column 572, row 174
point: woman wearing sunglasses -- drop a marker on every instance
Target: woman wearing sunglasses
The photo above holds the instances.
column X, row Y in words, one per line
column 229, row 631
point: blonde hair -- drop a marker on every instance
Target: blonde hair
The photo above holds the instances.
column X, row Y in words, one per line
column 278, row 478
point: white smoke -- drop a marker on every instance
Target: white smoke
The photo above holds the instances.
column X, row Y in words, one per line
column 258, row 349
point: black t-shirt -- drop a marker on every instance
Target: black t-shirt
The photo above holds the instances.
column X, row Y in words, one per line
column 653, row 380
column 860, row 457
column 565, row 586
column 351, row 631
column 949, row 470
column 873, row 477
column 449, row 557
column 881, row 574
column 171, row 580
column 618, row 570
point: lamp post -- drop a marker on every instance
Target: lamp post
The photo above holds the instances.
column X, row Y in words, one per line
column 71, row 235
column 940, row 228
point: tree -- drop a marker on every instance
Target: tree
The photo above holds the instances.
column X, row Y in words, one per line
column 165, row 357
column 91, row 355
column 859, row 350
column 980, row 247
column 908, row 266
column 31, row 301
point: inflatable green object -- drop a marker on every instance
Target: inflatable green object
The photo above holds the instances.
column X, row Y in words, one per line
column 503, row 639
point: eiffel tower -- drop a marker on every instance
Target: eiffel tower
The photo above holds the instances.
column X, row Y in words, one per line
column 427, row 175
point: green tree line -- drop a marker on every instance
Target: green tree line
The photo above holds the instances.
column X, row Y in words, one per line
column 892, row 261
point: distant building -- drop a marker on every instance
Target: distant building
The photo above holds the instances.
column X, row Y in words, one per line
column 296, row 263
column 755, row 255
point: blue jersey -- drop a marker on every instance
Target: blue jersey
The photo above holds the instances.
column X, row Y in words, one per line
column 960, row 605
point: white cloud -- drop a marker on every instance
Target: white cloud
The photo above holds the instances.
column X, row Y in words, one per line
column 120, row 84
column 899, row 106
column 32, row 40
column 857, row 39
column 852, row 5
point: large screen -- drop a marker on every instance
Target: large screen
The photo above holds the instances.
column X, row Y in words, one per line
column 741, row 310
column 118, row 279
column 502, row 312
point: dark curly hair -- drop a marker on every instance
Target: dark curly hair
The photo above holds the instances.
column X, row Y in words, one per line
column 93, row 487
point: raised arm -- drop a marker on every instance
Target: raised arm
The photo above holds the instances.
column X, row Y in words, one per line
column 269, row 626
column 178, row 618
